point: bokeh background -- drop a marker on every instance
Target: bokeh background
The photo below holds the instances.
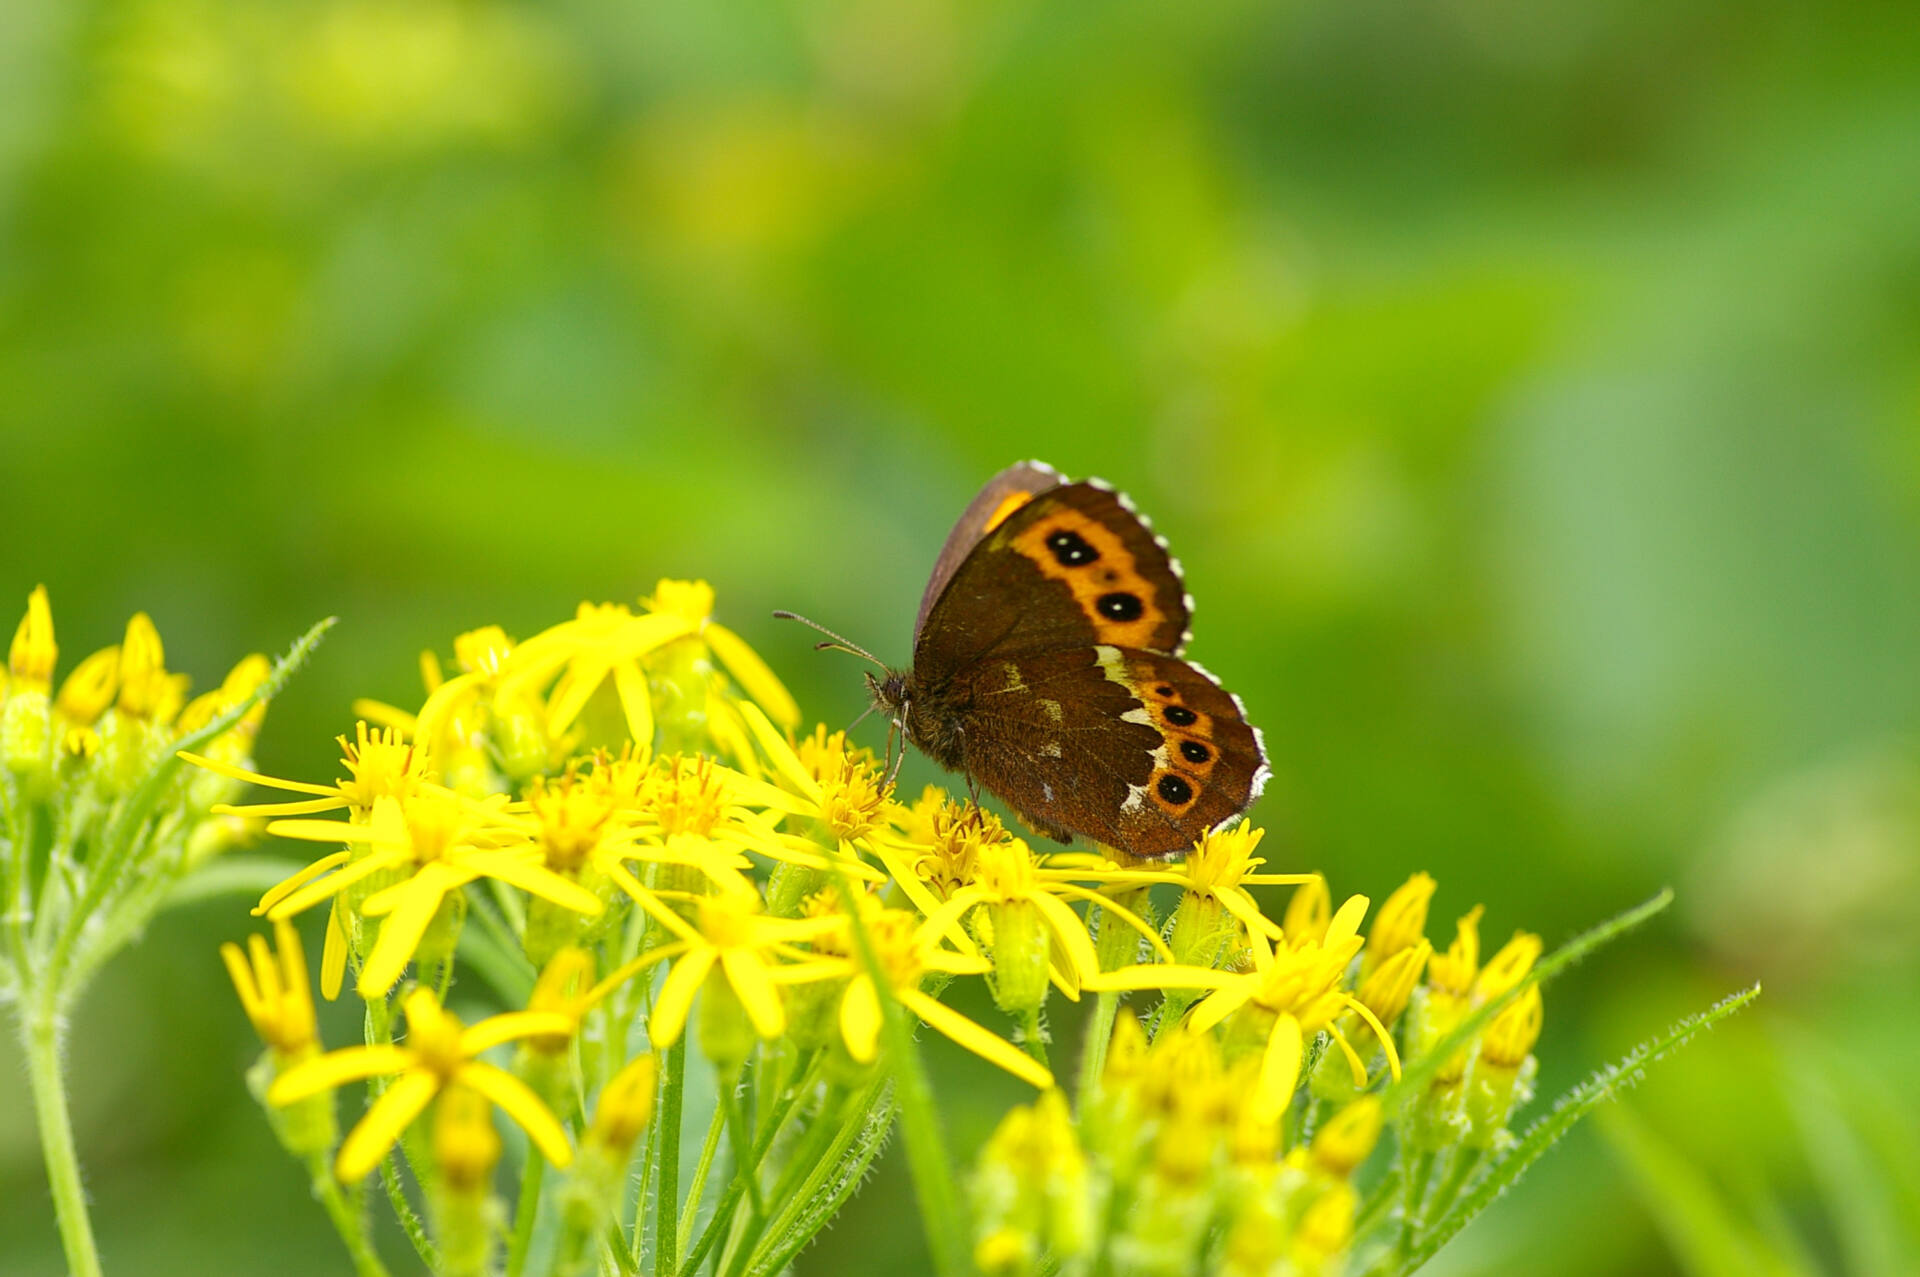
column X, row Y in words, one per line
column 1531, row 391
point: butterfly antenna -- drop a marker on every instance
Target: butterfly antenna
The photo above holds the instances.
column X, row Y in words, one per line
column 838, row 644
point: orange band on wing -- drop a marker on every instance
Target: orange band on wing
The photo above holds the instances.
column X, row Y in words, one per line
column 1001, row 512
column 1096, row 565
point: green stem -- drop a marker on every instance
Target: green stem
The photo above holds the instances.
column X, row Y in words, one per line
column 410, row 1223
column 1093, row 1053
column 926, row 1147
column 1034, row 1036
column 745, row 1168
column 1419, row 1180
column 666, row 1207
column 526, row 1211
column 1464, row 1162
column 804, row 1157
column 349, row 1222
column 697, row 1187
column 42, row 1039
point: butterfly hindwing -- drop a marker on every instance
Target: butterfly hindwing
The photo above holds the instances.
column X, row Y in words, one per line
column 1139, row 750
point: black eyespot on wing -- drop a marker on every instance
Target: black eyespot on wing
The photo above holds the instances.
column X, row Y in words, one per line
column 1163, row 691
column 1121, row 606
column 1181, row 716
column 1070, row 549
column 1194, row 752
column 1175, row 790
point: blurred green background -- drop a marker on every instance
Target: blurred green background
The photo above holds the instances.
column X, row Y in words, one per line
column 1531, row 392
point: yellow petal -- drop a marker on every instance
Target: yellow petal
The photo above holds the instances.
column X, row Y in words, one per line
column 1072, row 933
column 631, row 969
column 964, row 1032
column 243, row 983
column 778, row 752
column 676, row 996
column 417, row 901
column 287, row 886
column 255, row 778
column 384, row 1124
column 573, row 693
column 333, row 954
column 1279, row 1071
column 533, row 877
column 748, row 975
column 1346, row 922
column 1220, row 1005
column 268, row 811
column 860, row 1019
column 518, row 1101
column 1241, row 906
column 637, row 701
column 753, row 674
column 1161, row 975
column 512, row 1025
column 336, row 1068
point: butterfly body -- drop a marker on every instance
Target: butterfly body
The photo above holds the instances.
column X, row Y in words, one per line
column 1047, row 667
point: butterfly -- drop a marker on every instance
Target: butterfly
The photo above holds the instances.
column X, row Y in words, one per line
column 1047, row 668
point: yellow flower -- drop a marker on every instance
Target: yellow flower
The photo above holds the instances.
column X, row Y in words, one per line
column 31, row 659
column 601, row 642
column 1400, row 924
column 275, row 993
column 1386, row 991
column 147, row 691
column 1510, row 1038
column 380, row 764
column 1348, row 1138
column 907, row 950
column 1297, row 985
column 1024, row 911
column 625, row 1107
column 1452, row 972
column 734, row 936
column 439, row 1052
column 443, row 842
column 90, row 688
column 1218, row 871
column 692, row 602
column 466, row 1148
column 1507, row 967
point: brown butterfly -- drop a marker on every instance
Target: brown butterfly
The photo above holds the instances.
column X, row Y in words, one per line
column 1047, row 667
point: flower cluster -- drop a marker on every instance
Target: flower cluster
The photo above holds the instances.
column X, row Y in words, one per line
column 1239, row 1136
column 99, row 825
column 587, row 862
column 618, row 825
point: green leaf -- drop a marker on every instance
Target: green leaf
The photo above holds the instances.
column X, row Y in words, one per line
column 820, row 1198
column 1416, row 1073
column 1568, row 1110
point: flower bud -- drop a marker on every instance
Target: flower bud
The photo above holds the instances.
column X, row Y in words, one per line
column 1400, row 924
column 466, row 1148
column 1020, row 949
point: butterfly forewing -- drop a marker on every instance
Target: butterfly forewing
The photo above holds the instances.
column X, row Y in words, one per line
column 1070, row 567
